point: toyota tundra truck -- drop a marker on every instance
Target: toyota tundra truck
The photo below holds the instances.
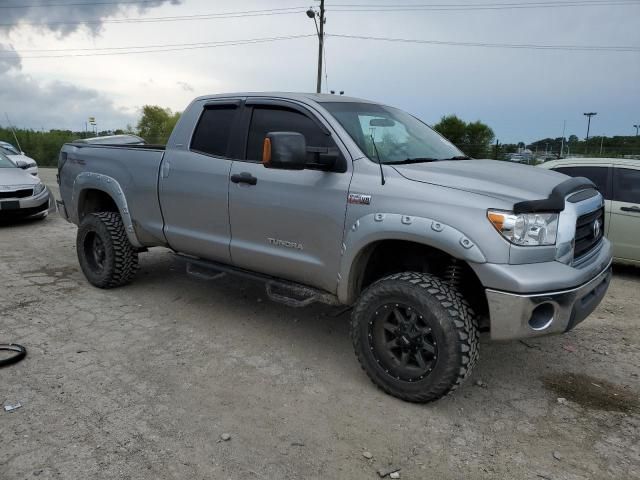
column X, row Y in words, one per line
column 349, row 202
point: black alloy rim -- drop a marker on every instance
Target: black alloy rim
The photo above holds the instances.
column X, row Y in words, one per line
column 402, row 342
column 95, row 251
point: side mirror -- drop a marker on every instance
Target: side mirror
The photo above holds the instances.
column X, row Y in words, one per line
column 21, row 164
column 284, row 150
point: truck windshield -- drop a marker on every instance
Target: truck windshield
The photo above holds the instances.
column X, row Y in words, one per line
column 395, row 135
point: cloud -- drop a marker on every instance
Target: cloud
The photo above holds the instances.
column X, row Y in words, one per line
column 32, row 103
column 185, row 86
column 55, row 104
column 9, row 62
column 89, row 15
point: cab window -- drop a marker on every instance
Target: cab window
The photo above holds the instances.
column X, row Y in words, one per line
column 213, row 132
column 267, row 119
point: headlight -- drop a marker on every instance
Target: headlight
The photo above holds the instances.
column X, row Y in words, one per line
column 38, row 189
column 527, row 229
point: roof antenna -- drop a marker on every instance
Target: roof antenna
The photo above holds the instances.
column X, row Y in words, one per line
column 13, row 130
column 375, row 148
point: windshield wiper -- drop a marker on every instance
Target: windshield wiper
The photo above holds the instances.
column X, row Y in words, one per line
column 415, row 160
column 459, row 157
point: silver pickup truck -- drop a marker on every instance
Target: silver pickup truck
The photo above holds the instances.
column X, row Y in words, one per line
column 344, row 201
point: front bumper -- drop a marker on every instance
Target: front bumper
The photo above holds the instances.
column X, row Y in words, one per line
column 515, row 316
column 26, row 207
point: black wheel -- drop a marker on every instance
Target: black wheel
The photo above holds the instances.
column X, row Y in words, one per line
column 106, row 256
column 415, row 336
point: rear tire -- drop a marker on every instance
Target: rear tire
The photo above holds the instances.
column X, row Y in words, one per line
column 415, row 336
column 106, row 256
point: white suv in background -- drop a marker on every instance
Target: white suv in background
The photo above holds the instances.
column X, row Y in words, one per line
column 19, row 159
column 619, row 182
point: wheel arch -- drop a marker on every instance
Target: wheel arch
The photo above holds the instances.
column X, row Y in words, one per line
column 406, row 238
column 101, row 193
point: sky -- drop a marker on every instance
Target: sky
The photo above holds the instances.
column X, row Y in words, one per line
column 54, row 71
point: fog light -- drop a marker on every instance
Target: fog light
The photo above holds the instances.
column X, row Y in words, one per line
column 542, row 316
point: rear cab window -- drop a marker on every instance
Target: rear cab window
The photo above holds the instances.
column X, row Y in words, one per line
column 212, row 135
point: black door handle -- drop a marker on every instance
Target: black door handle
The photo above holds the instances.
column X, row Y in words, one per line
column 630, row 209
column 244, row 177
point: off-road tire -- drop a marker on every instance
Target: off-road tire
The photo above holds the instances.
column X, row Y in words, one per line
column 452, row 322
column 120, row 259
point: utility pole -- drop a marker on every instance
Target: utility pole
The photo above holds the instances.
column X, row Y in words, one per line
column 311, row 13
column 588, row 115
column 497, row 149
column 564, row 127
column 601, row 141
column 636, row 127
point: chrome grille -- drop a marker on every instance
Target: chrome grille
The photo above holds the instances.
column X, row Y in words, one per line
column 587, row 235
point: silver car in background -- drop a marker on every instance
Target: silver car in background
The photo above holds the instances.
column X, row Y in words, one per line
column 19, row 159
column 21, row 195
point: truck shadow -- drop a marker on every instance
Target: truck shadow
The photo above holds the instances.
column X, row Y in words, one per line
column 510, row 373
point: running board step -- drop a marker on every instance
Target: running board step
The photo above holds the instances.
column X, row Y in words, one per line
column 292, row 294
column 281, row 291
column 200, row 273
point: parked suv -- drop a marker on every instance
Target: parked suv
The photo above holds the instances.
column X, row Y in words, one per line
column 347, row 201
column 618, row 180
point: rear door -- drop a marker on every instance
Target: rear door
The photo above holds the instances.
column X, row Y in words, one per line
column 625, row 213
column 194, row 184
column 288, row 223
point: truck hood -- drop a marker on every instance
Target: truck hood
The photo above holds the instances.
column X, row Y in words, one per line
column 506, row 181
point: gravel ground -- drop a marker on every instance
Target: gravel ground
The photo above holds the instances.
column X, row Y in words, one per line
column 141, row 382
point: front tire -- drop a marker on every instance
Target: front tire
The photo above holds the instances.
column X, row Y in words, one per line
column 106, row 256
column 415, row 336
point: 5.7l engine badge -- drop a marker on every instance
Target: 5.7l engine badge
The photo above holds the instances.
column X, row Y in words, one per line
column 359, row 199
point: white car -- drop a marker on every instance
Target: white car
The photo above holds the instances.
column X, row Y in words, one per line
column 619, row 182
column 19, row 158
column 21, row 195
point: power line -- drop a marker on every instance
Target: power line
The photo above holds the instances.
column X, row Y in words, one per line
column 174, row 18
column 528, row 46
column 132, row 50
column 366, row 8
column 341, row 8
column 82, row 4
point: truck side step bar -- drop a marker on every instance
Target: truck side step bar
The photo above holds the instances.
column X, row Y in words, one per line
column 281, row 291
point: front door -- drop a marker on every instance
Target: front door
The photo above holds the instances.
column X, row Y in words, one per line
column 624, row 229
column 288, row 223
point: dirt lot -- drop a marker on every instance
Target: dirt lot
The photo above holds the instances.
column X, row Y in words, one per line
column 140, row 383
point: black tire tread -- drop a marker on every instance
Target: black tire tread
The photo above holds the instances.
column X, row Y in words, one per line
column 462, row 318
column 125, row 264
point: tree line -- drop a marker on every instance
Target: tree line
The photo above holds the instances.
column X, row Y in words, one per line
column 475, row 139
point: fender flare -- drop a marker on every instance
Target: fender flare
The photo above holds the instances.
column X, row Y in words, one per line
column 391, row 226
column 110, row 186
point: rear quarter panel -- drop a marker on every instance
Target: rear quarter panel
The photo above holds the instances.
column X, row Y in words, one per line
column 135, row 171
